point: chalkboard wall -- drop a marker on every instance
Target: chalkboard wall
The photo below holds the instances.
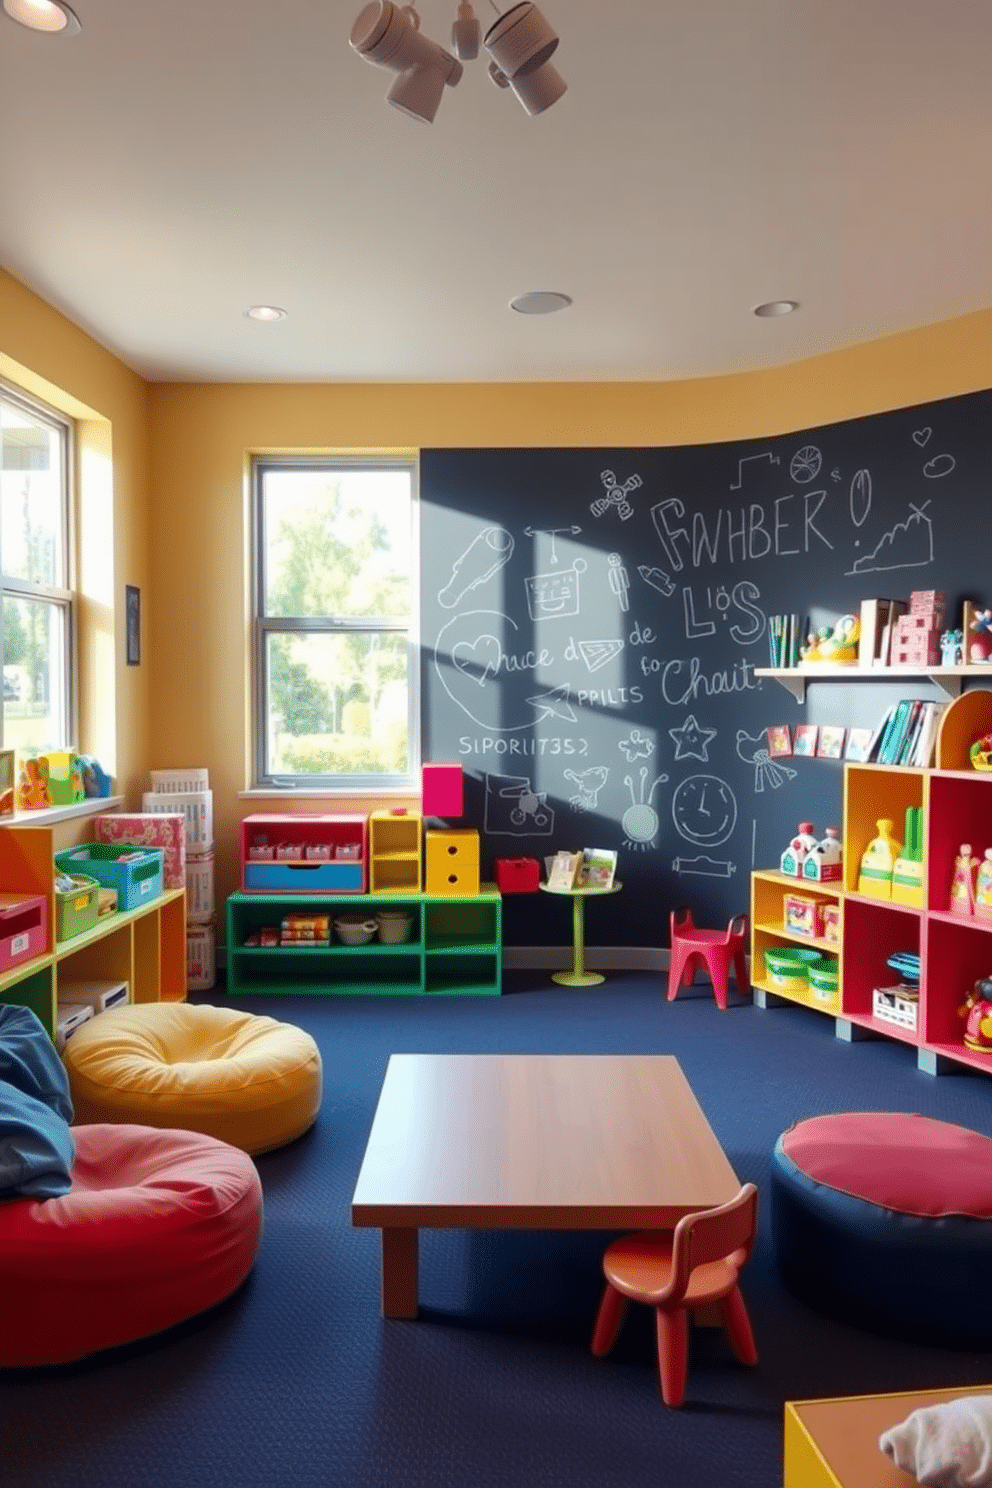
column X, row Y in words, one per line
column 592, row 620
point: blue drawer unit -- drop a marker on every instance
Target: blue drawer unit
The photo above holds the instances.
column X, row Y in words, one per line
column 345, row 877
column 135, row 872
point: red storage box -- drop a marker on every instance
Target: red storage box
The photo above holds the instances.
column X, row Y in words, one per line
column 150, row 829
column 518, row 875
column 23, row 928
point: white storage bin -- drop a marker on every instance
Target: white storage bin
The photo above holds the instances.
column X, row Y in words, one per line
column 99, row 995
column 201, row 957
column 196, row 806
column 71, row 1015
column 180, row 782
column 200, row 887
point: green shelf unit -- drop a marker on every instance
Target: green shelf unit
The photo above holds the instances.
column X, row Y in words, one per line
column 455, row 947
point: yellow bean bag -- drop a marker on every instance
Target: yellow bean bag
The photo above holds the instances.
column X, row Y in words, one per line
column 245, row 1079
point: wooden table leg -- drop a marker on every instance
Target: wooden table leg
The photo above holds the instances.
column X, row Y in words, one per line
column 399, row 1273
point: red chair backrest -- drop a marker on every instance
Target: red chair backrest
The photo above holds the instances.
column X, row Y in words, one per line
column 713, row 1235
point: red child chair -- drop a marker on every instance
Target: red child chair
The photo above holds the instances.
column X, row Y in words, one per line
column 710, row 950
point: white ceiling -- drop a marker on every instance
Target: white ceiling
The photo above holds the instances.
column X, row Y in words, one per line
column 174, row 163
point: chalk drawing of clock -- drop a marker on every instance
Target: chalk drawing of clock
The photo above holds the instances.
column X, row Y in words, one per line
column 704, row 810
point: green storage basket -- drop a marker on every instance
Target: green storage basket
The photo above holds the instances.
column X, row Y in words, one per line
column 135, row 872
column 78, row 908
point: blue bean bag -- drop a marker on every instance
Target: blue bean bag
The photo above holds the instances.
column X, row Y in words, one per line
column 884, row 1219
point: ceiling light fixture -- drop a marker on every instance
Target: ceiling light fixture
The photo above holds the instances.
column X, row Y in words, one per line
column 52, row 16
column 540, row 302
column 775, row 307
column 265, row 312
column 520, row 42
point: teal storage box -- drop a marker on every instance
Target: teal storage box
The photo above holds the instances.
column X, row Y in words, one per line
column 135, row 872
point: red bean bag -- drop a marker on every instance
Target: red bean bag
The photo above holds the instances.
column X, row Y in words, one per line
column 158, row 1226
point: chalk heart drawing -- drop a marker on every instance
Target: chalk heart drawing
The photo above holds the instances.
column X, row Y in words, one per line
column 920, row 436
column 465, row 671
column 478, row 660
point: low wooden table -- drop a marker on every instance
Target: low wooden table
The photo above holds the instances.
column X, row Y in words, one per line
column 834, row 1443
column 531, row 1142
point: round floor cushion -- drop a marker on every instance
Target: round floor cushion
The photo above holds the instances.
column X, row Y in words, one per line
column 884, row 1218
column 158, row 1226
column 246, row 1079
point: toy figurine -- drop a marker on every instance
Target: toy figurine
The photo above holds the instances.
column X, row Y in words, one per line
column 977, row 1012
column 983, row 887
column 963, row 881
column 838, row 643
column 980, row 637
column 823, row 861
column 952, row 648
column 798, row 850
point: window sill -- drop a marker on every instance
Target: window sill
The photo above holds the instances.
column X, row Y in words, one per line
column 46, row 815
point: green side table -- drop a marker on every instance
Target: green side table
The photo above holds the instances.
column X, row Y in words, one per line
column 578, row 976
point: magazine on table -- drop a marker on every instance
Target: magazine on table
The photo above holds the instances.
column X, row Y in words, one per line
column 563, row 870
column 599, row 867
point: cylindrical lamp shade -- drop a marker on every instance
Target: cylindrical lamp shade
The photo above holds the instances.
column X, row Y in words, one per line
column 417, row 93
column 538, row 90
column 521, row 40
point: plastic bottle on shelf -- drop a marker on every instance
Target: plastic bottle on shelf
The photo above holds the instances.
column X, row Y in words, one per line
column 983, row 887
column 964, row 881
column 878, row 862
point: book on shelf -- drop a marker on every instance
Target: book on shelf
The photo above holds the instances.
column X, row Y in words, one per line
column 874, row 614
column 858, row 744
column 805, row 739
column 599, row 867
column 779, row 739
column 896, row 608
column 563, row 870
column 888, row 750
column 904, row 753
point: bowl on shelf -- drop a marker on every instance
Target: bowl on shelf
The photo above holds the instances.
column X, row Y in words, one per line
column 788, row 967
column 823, row 979
column 394, row 925
column 355, row 929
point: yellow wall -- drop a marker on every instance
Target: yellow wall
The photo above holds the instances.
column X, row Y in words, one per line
column 172, row 461
column 45, row 354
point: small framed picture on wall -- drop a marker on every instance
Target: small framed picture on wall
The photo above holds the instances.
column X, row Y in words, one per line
column 132, row 620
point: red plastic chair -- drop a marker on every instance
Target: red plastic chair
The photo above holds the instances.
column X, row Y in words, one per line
column 710, row 950
column 696, row 1265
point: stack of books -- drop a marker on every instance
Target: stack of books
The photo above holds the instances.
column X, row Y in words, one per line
column 907, row 734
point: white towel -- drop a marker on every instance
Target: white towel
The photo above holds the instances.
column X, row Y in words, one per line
column 947, row 1446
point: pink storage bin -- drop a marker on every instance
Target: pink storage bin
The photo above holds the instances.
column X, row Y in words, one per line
column 150, row 829
column 23, row 928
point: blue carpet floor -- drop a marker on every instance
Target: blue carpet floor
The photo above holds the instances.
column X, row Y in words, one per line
column 297, row 1380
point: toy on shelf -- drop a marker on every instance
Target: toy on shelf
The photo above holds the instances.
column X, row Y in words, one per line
column 916, row 636
column 837, row 643
column 32, row 785
column 96, row 781
column 907, row 871
column 963, row 881
column 980, row 753
column 878, row 862
column 977, row 1013
column 798, row 850
column 980, row 636
column 952, row 648
column 983, row 887
column 823, row 862
column 803, row 915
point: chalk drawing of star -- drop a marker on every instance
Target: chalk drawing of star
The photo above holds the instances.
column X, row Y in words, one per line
column 691, row 740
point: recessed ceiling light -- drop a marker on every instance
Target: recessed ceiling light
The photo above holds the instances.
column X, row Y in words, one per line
column 43, row 15
column 265, row 312
column 776, row 307
column 540, row 302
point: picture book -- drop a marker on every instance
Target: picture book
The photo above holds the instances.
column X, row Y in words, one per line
column 599, row 866
column 858, row 744
column 806, row 737
column 564, row 870
column 779, row 739
column 831, row 742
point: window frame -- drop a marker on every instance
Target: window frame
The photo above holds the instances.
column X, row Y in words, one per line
column 264, row 626
column 64, row 598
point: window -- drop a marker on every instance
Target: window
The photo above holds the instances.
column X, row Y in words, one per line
column 336, row 674
column 36, row 568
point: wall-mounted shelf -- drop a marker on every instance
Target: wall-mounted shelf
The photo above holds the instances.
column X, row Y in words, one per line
column 950, row 679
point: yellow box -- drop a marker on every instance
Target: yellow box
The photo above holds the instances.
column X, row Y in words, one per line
column 453, row 862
